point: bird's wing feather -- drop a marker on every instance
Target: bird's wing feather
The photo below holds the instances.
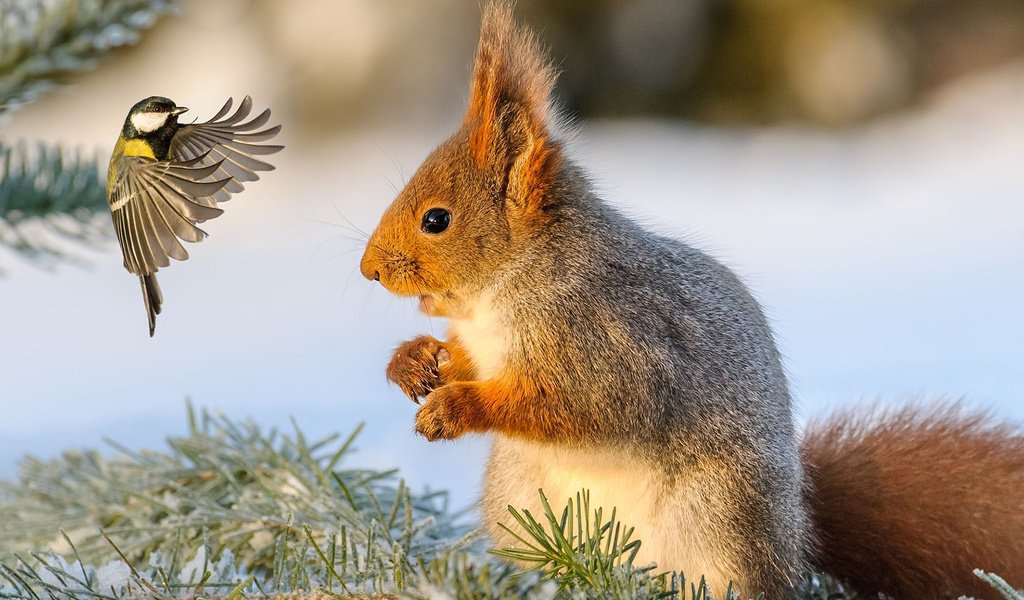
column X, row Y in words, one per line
column 229, row 141
column 156, row 203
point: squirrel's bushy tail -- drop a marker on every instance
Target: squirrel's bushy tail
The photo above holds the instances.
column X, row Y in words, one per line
column 910, row 501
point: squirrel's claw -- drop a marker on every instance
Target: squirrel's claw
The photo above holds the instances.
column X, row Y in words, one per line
column 445, row 412
column 414, row 367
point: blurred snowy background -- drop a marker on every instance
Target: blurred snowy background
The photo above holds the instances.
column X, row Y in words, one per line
column 860, row 164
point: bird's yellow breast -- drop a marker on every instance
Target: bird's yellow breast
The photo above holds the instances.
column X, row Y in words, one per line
column 137, row 148
column 124, row 148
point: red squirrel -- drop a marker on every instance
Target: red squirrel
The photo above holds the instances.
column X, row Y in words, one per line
column 606, row 357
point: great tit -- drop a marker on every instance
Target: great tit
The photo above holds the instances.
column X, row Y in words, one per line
column 165, row 177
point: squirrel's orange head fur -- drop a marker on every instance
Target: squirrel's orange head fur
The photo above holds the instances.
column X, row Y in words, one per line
column 493, row 176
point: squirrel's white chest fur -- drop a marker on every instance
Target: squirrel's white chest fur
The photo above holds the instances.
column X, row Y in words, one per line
column 672, row 523
column 481, row 331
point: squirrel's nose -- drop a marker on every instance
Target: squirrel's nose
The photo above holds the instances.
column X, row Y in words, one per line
column 370, row 273
column 368, row 266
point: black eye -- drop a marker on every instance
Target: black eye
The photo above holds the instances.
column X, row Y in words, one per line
column 436, row 220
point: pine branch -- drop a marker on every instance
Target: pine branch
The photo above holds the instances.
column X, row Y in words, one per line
column 231, row 512
column 49, row 197
column 590, row 556
column 42, row 42
column 238, row 485
column 999, row 584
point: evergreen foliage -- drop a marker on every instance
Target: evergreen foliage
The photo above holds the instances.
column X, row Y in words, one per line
column 231, row 511
column 49, row 194
column 258, row 495
column 42, row 42
column 1000, row 585
column 229, row 508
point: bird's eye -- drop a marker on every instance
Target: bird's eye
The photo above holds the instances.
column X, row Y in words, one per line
column 436, row 220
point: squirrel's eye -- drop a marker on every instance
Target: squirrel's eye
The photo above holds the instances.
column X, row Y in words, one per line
column 436, row 220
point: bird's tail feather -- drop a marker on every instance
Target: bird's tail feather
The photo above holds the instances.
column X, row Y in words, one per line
column 152, row 297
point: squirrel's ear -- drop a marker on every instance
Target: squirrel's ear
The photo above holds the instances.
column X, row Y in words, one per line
column 510, row 112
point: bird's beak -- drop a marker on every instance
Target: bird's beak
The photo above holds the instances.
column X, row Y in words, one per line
column 178, row 110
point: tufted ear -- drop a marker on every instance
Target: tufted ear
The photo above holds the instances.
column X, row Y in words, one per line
column 510, row 117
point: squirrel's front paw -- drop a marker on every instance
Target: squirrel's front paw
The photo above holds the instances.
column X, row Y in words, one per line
column 448, row 412
column 414, row 367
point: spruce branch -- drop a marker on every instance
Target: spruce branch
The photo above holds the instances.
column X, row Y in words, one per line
column 226, row 507
column 229, row 511
column 49, row 196
column 999, row 584
column 590, row 556
column 41, row 42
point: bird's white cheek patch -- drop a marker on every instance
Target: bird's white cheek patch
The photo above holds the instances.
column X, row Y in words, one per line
column 147, row 122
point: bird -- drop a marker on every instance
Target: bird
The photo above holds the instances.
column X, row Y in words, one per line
column 165, row 177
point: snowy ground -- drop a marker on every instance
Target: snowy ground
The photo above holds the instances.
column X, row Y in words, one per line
column 890, row 258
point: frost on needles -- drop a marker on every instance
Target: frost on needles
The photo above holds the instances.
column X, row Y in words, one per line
column 231, row 510
column 50, row 195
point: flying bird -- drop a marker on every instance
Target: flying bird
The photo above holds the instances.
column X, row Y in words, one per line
column 166, row 177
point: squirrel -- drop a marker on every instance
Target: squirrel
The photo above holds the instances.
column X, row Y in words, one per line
column 603, row 356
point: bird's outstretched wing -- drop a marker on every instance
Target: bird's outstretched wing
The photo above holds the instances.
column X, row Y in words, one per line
column 154, row 203
column 231, row 142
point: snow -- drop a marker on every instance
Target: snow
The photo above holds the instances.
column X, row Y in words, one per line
column 889, row 257
column 223, row 570
column 112, row 578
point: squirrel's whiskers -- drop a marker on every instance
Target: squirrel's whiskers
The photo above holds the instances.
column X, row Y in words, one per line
column 602, row 356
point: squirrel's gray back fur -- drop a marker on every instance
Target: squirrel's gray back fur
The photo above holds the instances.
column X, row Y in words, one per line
column 608, row 358
column 675, row 355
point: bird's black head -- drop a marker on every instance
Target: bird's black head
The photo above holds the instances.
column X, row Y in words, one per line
column 154, row 120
